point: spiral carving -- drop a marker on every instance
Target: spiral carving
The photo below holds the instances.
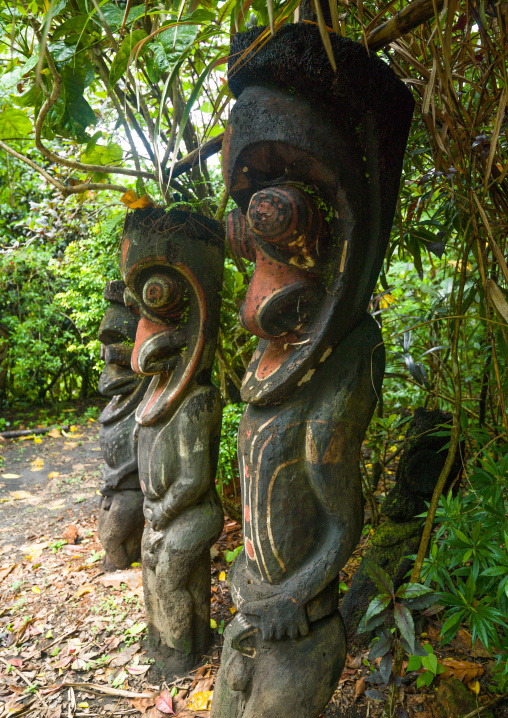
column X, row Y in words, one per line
column 165, row 296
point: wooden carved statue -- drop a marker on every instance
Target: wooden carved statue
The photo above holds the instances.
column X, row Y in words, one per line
column 121, row 519
column 313, row 159
column 172, row 263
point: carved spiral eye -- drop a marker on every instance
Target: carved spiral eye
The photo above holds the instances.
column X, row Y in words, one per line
column 164, row 296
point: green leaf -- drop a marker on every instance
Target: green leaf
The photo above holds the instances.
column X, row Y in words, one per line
column 10, row 79
column 78, row 114
column 121, row 60
column 462, row 536
column 424, row 679
column 378, row 604
column 185, row 36
column 451, row 625
column 61, row 52
column 404, row 622
column 102, row 155
column 114, row 16
column 414, row 663
column 412, row 590
column 380, row 578
column 430, row 663
column 75, row 24
column 14, row 124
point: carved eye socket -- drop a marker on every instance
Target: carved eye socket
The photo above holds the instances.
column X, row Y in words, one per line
column 164, row 296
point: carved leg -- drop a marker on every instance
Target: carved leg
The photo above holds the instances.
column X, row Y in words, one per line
column 176, row 581
column 284, row 678
column 120, row 528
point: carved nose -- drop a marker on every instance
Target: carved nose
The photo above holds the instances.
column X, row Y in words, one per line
column 279, row 299
column 287, row 216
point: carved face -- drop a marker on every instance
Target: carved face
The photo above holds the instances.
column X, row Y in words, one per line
column 172, row 264
column 116, row 334
column 308, row 190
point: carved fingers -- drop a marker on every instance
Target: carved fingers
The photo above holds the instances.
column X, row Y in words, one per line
column 277, row 617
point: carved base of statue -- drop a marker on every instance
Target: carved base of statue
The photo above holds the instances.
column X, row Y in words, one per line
column 290, row 677
column 120, row 528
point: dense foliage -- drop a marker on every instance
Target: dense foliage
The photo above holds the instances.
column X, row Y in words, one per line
column 103, row 96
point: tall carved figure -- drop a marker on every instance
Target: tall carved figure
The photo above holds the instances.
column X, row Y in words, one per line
column 121, row 519
column 313, row 159
column 172, row 263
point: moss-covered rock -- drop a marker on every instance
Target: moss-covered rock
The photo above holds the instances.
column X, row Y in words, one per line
column 391, row 543
column 456, row 701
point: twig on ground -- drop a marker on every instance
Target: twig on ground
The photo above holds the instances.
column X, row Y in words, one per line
column 29, row 683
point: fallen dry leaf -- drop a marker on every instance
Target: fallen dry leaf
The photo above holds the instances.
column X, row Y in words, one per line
column 354, row 662
column 11, row 476
column 479, row 650
column 200, row 701
column 155, row 713
column 19, row 495
column 360, row 688
column 462, row 670
column 130, row 198
column 87, row 588
column 71, row 534
column 55, row 433
column 137, row 670
column 164, row 703
column 5, row 570
column 132, row 578
column 142, row 704
column 120, row 659
column 17, row 662
column 37, row 464
column 53, row 474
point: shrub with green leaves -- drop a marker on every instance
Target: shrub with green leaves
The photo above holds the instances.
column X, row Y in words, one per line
column 391, row 644
column 468, row 560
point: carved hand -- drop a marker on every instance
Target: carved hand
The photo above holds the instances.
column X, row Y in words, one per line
column 153, row 513
column 277, row 616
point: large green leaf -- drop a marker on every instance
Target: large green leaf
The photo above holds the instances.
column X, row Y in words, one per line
column 78, row 114
column 102, row 154
column 10, row 79
column 119, row 64
column 14, row 124
column 74, row 25
column 61, row 52
column 114, row 15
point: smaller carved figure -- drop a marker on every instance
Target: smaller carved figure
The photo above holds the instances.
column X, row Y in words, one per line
column 121, row 517
column 172, row 263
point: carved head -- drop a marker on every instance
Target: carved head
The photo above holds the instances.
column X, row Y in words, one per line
column 172, row 263
column 313, row 159
column 116, row 334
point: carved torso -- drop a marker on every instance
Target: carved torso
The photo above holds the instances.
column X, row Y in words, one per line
column 179, row 444
column 299, row 462
column 118, row 442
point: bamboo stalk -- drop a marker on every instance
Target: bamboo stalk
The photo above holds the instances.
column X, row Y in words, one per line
column 402, row 22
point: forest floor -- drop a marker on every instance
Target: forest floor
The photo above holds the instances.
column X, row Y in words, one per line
column 72, row 636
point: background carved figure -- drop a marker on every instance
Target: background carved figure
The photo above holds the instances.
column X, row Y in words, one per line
column 121, row 520
column 313, row 160
column 418, row 470
column 172, row 263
